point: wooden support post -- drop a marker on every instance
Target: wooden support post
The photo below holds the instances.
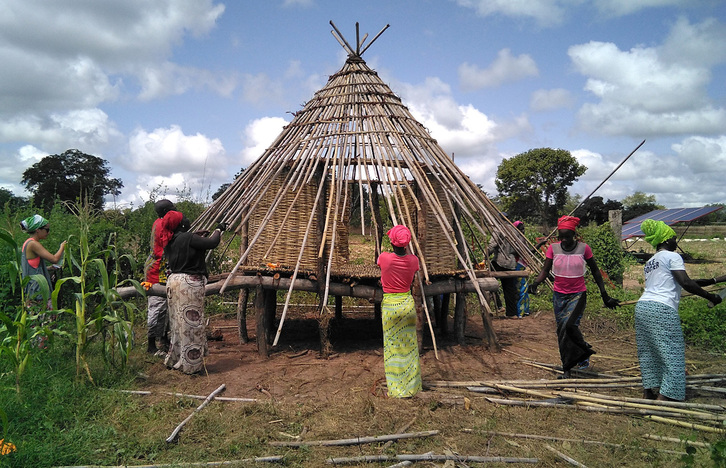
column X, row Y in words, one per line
column 242, row 299
column 244, row 293
column 489, row 334
column 460, row 318
column 445, row 301
column 270, row 312
column 261, row 318
column 436, row 300
column 338, row 307
column 460, row 311
column 321, row 269
column 418, row 301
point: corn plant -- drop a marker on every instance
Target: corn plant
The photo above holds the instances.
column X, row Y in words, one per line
column 19, row 330
column 98, row 309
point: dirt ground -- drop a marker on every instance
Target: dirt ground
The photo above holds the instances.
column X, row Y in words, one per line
column 296, row 370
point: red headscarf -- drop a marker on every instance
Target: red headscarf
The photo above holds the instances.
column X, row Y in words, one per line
column 568, row 222
column 169, row 223
column 400, row 235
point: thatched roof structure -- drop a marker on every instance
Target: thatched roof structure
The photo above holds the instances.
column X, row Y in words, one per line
column 355, row 139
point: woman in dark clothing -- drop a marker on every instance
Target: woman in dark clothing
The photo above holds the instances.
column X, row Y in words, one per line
column 185, row 252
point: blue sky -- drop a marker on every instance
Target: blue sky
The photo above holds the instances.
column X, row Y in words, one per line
column 178, row 95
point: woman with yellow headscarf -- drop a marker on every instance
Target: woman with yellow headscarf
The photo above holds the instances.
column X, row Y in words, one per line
column 658, row 333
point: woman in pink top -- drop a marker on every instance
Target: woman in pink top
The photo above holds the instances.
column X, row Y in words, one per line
column 567, row 260
column 400, row 342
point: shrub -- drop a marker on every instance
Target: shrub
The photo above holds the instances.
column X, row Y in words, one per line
column 607, row 251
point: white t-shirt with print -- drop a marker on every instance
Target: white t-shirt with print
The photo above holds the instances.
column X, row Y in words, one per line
column 660, row 285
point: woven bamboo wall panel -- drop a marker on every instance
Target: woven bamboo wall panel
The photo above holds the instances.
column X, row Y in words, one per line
column 287, row 248
column 292, row 231
column 437, row 248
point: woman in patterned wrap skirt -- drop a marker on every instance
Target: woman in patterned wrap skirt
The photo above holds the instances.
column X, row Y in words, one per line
column 658, row 333
column 400, row 342
column 185, row 252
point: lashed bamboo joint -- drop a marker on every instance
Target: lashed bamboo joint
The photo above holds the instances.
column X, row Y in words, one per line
column 355, row 141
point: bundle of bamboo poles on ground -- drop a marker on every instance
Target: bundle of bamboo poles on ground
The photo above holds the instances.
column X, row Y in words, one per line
column 575, row 394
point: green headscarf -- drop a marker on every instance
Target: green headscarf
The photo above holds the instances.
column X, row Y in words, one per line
column 656, row 231
column 33, row 223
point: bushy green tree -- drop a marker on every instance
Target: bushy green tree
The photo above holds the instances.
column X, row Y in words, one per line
column 638, row 204
column 533, row 185
column 70, row 176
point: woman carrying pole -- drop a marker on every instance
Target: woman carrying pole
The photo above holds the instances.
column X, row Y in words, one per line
column 567, row 260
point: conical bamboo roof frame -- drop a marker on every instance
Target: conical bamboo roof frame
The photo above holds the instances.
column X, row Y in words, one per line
column 356, row 129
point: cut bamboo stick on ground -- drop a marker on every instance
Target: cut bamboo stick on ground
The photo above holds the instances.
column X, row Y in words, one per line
column 355, row 440
column 211, row 396
column 613, row 402
column 557, row 404
column 675, row 422
column 562, row 439
column 270, row 459
column 564, row 457
column 678, row 441
column 428, row 457
column 675, row 404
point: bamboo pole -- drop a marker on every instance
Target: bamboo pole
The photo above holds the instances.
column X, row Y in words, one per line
column 564, row 457
column 678, row 441
column 271, row 459
column 675, row 422
column 562, row 439
column 211, row 396
column 355, row 440
column 613, row 402
column 429, row 457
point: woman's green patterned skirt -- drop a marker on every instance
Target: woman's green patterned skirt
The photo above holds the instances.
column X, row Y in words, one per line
column 400, row 345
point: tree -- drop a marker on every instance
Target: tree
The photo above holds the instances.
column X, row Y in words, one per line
column 14, row 202
column 70, row 176
column 593, row 210
column 639, row 204
column 533, row 185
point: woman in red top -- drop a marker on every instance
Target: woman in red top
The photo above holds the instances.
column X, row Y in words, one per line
column 400, row 342
column 567, row 260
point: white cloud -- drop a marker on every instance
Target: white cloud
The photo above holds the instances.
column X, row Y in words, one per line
column 462, row 130
column 258, row 136
column 627, row 7
column 89, row 129
column 544, row 12
column 11, row 171
column 505, row 68
column 171, row 79
column 167, row 157
column 65, row 54
column 705, row 157
column 691, row 175
column 649, row 90
column 550, row 99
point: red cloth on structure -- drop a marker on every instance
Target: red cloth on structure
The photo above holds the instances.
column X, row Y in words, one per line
column 400, row 235
column 568, row 222
column 397, row 271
